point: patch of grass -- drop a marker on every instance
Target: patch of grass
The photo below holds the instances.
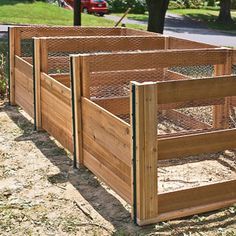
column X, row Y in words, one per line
column 207, row 16
column 25, row 12
column 139, row 17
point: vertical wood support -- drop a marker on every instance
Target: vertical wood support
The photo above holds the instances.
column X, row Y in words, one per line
column 11, row 85
column 44, row 56
column 85, row 77
column 76, row 93
column 167, row 42
column 37, row 85
column 40, row 65
column 221, row 113
column 144, row 132
column 14, row 49
column 167, row 46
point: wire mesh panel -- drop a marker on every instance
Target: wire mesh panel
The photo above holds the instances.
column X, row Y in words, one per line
column 195, row 71
column 110, row 89
column 59, row 49
column 27, row 48
column 26, row 34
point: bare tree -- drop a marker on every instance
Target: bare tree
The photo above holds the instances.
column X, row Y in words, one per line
column 157, row 12
column 225, row 14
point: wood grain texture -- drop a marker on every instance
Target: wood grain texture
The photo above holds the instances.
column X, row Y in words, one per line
column 56, row 111
column 37, row 78
column 23, row 87
column 76, row 91
column 12, row 64
column 193, row 197
column 178, row 43
column 194, row 144
column 146, row 151
column 63, row 78
column 156, row 59
column 184, row 90
column 193, row 201
column 108, row 130
column 221, row 113
column 106, row 148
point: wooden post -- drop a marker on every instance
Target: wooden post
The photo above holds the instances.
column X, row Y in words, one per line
column 37, row 85
column 40, row 65
column 144, row 141
column 221, row 113
column 85, row 77
column 11, row 32
column 14, row 49
column 76, row 92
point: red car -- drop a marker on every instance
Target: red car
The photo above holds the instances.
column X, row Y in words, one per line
column 99, row 7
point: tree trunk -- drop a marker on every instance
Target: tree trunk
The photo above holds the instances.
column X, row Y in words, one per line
column 225, row 15
column 157, row 11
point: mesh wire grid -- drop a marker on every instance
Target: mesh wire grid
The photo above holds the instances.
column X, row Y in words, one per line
column 113, row 94
column 60, row 48
column 27, row 33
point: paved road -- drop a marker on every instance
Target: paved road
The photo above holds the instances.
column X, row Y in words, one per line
column 3, row 28
column 184, row 27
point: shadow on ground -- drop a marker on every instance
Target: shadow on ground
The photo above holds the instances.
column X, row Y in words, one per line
column 92, row 191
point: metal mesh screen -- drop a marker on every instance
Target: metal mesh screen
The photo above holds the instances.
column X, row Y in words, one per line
column 27, row 33
column 60, row 48
column 195, row 71
column 113, row 94
column 27, row 48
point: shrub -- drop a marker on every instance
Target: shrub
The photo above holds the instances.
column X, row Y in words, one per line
column 137, row 6
column 211, row 3
column 3, row 66
column 2, row 76
column 189, row 3
column 175, row 5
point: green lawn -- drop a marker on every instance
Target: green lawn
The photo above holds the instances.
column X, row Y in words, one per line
column 23, row 12
column 206, row 15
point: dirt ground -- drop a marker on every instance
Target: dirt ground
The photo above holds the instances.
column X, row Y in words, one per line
column 41, row 194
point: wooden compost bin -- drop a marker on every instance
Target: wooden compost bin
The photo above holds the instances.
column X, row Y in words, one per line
column 21, row 53
column 52, row 99
column 125, row 154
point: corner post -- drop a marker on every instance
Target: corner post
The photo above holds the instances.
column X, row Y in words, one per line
column 76, row 94
column 11, row 35
column 144, row 151
column 221, row 113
